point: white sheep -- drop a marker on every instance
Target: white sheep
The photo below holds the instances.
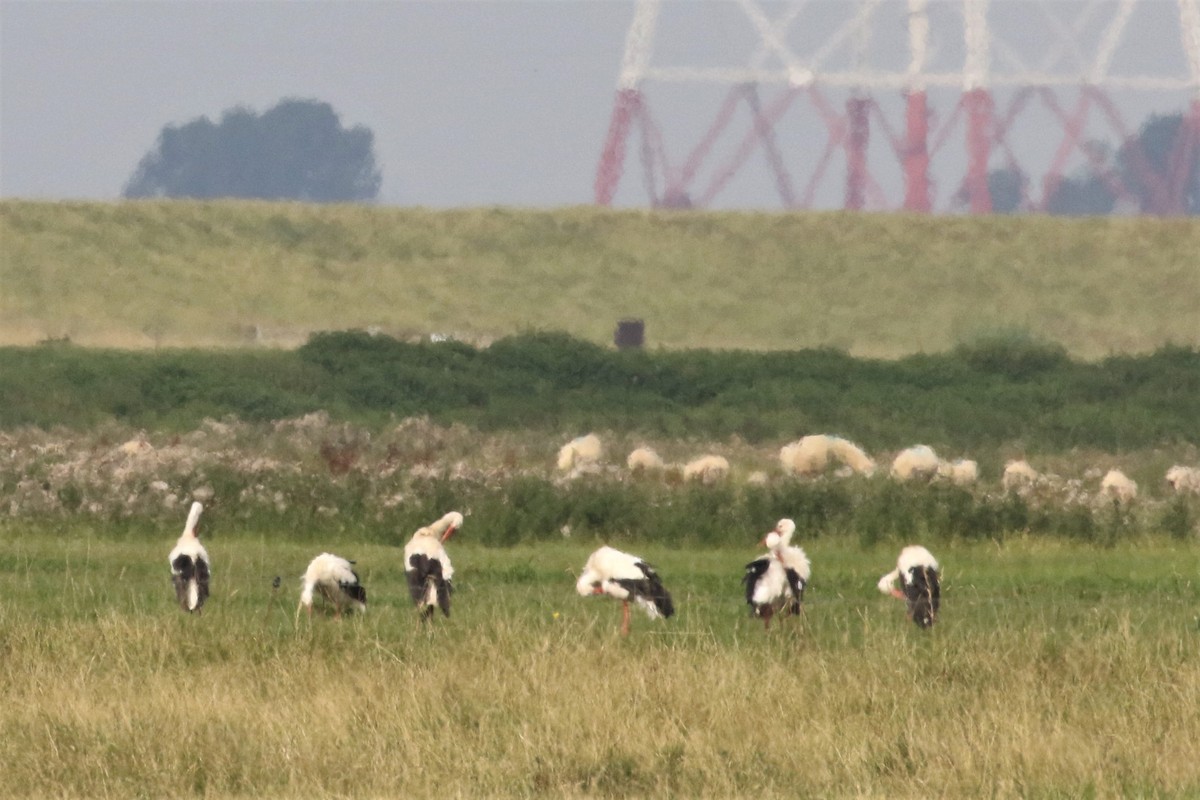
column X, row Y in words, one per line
column 1118, row 486
column 644, row 459
column 1018, row 474
column 580, row 453
column 757, row 478
column 812, row 454
column 960, row 471
column 852, row 456
column 706, row 469
column 136, row 447
column 1184, row 479
column 916, row 462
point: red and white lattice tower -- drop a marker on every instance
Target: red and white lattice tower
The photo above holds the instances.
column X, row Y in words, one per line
column 918, row 101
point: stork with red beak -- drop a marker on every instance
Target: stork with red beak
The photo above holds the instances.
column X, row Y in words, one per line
column 626, row 577
column 775, row 582
column 920, row 584
column 189, row 564
column 334, row 578
column 427, row 566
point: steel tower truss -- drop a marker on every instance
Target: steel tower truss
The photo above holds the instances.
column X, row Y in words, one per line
column 965, row 91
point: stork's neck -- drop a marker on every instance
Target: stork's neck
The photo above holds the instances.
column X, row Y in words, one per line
column 193, row 518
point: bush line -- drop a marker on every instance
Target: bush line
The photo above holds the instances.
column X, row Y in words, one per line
column 1006, row 388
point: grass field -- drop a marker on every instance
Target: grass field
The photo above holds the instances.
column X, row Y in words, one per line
column 147, row 274
column 1066, row 663
column 1056, row 670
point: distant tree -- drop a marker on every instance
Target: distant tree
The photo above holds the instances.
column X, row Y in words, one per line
column 1161, row 168
column 297, row 150
column 1086, row 193
column 1092, row 190
column 1007, row 189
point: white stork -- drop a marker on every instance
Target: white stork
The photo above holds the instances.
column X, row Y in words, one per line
column 427, row 565
column 335, row 579
column 189, row 565
column 775, row 582
column 920, row 584
column 625, row 577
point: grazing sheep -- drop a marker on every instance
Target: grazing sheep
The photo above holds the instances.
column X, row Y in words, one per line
column 1018, row 473
column 706, row 469
column 580, row 453
column 812, row 454
column 852, row 456
column 1184, row 479
column 1118, row 486
column 757, row 478
column 960, row 472
column 918, row 462
column 136, row 447
column 645, row 459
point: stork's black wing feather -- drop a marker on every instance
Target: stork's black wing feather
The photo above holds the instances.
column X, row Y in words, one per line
column 202, row 574
column 424, row 571
column 922, row 590
column 653, row 590
column 754, row 572
column 797, row 585
column 182, row 571
column 443, row 596
column 416, row 574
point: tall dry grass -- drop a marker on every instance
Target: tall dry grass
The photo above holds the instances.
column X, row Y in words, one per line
column 145, row 274
column 1055, row 671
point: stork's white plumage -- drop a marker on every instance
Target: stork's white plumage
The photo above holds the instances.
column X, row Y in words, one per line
column 189, row 565
column 625, row 577
column 920, row 584
column 334, row 578
column 775, row 582
column 427, row 565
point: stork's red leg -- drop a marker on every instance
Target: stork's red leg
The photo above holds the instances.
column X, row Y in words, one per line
column 625, row 618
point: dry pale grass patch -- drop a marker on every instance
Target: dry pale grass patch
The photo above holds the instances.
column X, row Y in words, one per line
column 1054, row 671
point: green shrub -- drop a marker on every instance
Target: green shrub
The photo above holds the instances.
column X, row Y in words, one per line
column 1013, row 353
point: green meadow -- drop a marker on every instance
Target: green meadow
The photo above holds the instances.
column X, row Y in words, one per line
column 179, row 274
column 1056, row 670
column 278, row 362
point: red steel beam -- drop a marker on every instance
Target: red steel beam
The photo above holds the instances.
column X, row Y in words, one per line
column 979, row 142
column 916, row 153
column 612, row 159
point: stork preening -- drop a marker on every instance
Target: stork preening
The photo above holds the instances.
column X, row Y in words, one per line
column 775, row 582
column 189, row 565
column 625, row 577
column 920, row 584
column 334, row 578
column 427, row 565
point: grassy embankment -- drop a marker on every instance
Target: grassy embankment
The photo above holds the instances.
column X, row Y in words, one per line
column 138, row 275
column 1056, row 671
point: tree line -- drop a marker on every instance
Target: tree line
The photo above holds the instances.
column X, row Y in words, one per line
column 299, row 150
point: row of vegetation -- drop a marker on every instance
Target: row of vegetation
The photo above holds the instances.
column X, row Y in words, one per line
column 529, row 510
column 1000, row 390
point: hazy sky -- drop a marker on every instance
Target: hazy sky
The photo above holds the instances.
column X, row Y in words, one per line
column 471, row 103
